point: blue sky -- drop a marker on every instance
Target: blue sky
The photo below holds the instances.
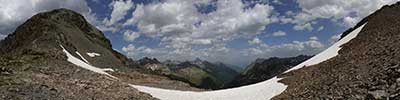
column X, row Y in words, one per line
column 231, row 31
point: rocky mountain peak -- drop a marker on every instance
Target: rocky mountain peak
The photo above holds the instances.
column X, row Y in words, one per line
column 197, row 60
column 43, row 33
column 147, row 60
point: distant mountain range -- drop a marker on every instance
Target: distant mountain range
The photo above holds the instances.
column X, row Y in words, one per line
column 199, row 73
column 206, row 75
column 264, row 69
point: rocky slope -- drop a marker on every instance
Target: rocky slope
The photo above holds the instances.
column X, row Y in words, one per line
column 34, row 66
column 264, row 69
column 368, row 67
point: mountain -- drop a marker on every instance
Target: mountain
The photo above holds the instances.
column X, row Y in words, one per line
column 264, row 69
column 367, row 67
column 198, row 73
column 219, row 70
column 45, row 32
column 193, row 74
column 363, row 65
column 59, row 55
column 234, row 67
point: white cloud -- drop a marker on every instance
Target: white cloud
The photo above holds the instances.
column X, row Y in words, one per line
column 2, row 36
column 321, row 28
column 334, row 38
column 119, row 10
column 309, row 47
column 350, row 21
column 255, row 41
column 277, row 2
column 180, row 25
column 279, row 33
column 130, row 35
column 15, row 12
column 313, row 38
column 143, row 51
column 348, row 11
column 302, row 27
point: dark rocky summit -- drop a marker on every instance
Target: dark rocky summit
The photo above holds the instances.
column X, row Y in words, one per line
column 33, row 65
column 367, row 67
column 264, row 69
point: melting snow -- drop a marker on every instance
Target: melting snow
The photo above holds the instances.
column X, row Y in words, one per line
column 83, row 58
column 82, row 64
column 330, row 52
column 259, row 91
column 93, row 54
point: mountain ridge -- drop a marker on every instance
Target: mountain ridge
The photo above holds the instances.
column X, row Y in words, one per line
column 263, row 69
column 199, row 73
column 33, row 61
column 366, row 67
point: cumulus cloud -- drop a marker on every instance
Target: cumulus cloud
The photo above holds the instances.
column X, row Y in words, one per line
column 15, row 12
column 179, row 24
column 302, row 27
column 278, row 33
column 334, row 38
column 136, row 52
column 321, row 28
column 313, row 38
column 277, row 2
column 130, row 35
column 294, row 48
column 254, row 41
column 348, row 12
column 119, row 10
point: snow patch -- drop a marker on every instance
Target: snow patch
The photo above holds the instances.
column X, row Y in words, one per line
column 93, row 54
column 83, row 58
column 108, row 69
column 84, row 65
column 260, row 91
column 330, row 52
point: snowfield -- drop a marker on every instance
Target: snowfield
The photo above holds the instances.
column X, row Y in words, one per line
column 260, row 91
column 83, row 58
column 92, row 54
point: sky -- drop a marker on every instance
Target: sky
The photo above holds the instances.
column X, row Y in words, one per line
column 231, row 31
